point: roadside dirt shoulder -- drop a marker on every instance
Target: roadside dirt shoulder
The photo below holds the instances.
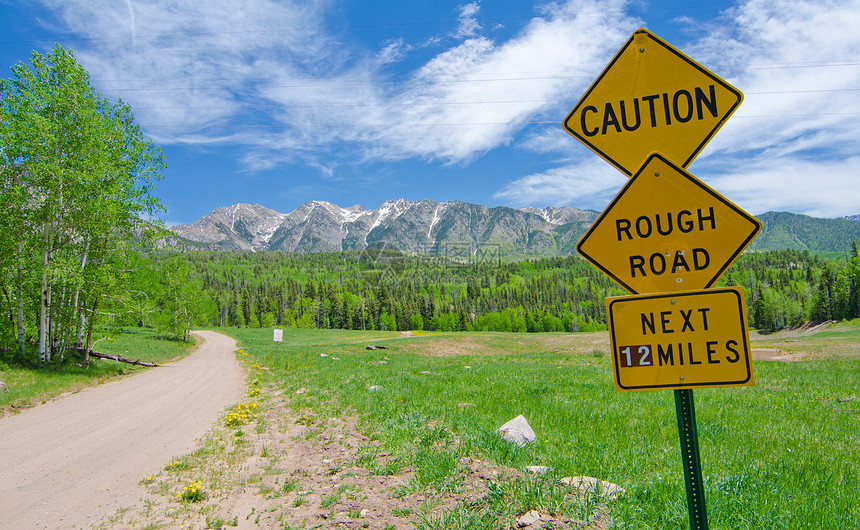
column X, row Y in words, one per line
column 281, row 469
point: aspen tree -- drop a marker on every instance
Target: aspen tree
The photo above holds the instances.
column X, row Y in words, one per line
column 81, row 173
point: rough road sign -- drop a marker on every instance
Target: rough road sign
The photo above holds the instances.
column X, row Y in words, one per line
column 693, row 339
column 651, row 97
column 666, row 230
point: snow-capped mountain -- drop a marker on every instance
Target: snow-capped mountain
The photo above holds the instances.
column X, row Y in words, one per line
column 320, row 226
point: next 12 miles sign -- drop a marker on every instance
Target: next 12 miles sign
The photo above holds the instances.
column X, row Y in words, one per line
column 690, row 339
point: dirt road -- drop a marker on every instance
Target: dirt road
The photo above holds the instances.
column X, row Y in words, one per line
column 71, row 462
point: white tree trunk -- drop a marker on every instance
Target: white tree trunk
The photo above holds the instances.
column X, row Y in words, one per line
column 82, row 326
column 44, row 306
column 79, row 336
column 20, row 298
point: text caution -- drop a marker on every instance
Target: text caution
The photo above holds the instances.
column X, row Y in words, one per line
column 651, row 97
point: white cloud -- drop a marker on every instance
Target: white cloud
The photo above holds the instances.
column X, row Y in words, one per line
column 205, row 72
column 796, row 63
column 469, row 24
column 391, row 52
column 186, row 68
column 821, row 188
column 477, row 95
column 590, row 184
column 792, row 145
column 786, row 183
column 262, row 74
column 462, row 102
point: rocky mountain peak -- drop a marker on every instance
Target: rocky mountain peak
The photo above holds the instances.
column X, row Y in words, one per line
column 318, row 226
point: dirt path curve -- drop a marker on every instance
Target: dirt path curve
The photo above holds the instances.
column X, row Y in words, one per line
column 71, row 462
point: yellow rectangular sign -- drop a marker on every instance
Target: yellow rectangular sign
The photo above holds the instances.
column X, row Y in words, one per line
column 691, row 339
column 651, row 97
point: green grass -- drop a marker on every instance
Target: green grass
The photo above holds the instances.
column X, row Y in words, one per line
column 780, row 454
column 31, row 386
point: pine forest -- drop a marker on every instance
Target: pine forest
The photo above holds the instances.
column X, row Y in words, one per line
column 389, row 290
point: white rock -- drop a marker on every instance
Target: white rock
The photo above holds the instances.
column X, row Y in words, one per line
column 517, row 431
column 590, row 485
column 323, row 355
column 528, row 519
column 374, row 388
column 363, row 513
column 537, row 470
column 301, row 390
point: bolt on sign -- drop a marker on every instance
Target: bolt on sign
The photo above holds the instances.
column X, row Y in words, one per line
column 651, row 97
column 685, row 340
column 666, row 231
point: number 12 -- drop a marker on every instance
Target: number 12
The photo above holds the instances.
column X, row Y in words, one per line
column 642, row 356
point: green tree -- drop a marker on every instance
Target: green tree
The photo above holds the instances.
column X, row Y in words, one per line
column 180, row 300
column 759, row 310
column 80, row 174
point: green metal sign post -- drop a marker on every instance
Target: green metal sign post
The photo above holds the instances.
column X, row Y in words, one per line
column 686, row 413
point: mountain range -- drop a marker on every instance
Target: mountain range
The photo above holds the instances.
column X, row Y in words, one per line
column 320, row 226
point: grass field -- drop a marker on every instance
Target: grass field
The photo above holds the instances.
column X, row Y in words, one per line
column 32, row 386
column 781, row 454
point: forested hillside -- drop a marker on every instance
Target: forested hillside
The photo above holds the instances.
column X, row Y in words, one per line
column 784, row 230
column 786, row 288
column 397, row 291
column 391, row 290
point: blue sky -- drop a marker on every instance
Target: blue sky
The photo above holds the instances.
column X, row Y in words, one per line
column 355, row 102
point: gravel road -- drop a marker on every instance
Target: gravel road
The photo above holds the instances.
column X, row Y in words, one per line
column 72, row 462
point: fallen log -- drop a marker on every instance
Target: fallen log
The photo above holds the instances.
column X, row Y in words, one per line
column 119, row 358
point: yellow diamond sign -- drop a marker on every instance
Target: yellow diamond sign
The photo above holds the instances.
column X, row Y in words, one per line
column 651, row 97
column 667, row 231
column 693, row 339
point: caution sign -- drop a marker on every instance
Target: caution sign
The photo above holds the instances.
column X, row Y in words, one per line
column 651, row 97
column 692, row 339
column 666, row 230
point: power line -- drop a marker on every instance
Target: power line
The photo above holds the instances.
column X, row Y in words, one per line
column 343, row 84
column 461, row 124
column 318, row 83
column 443, row 103
column 356, row 125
